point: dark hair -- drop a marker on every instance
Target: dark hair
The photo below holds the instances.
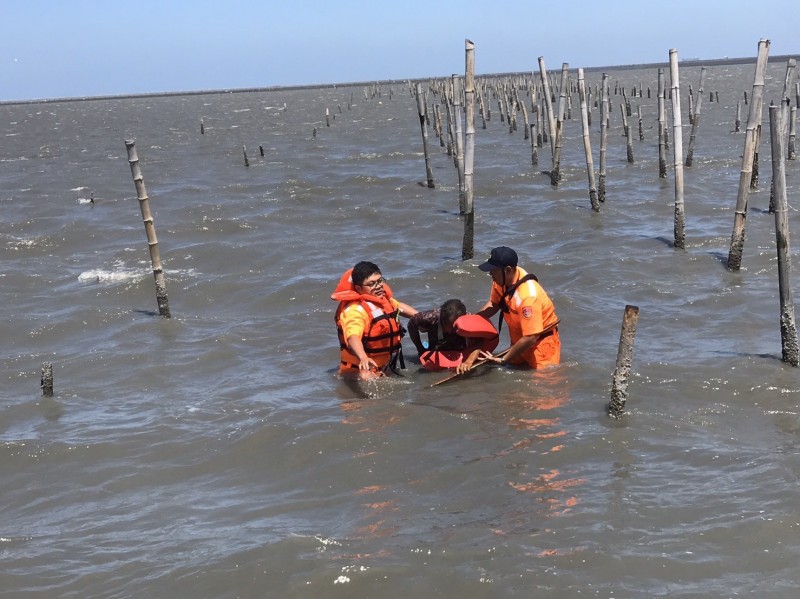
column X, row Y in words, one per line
column 362, row 270
column 451, row 310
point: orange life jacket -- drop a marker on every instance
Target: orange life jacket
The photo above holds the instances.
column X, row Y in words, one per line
column 481, row 335
column 382, row 338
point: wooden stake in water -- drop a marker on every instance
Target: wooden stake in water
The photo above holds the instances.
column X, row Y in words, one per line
column 467, row 248
column 424, row 127
column 791, row 153
column 677, row 152
column 619, row 387
column 587, row 146
column 149, row 227
column 601, row 196
column 246, row 161
column 47, row 379
column 695, row 119
column 789, row 345
column 202, row 127
column 745, row 176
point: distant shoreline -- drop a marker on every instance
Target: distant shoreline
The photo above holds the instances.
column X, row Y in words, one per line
column 692, row 62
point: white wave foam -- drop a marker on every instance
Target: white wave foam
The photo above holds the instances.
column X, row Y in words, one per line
column 118, row 275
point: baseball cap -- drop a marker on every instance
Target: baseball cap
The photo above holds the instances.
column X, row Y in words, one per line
column 499, row 258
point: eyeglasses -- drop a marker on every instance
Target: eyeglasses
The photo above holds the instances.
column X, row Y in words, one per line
column 373, row 284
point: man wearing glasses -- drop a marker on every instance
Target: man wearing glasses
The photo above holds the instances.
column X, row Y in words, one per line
column 368, row 322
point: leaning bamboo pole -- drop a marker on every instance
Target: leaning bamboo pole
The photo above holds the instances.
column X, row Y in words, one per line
column 677, row 151
column 548, row 106
column 753, row 123
column 467, row 247
column 423, row 126
column 147, row 218
column 789, row 347
column 601, row 196
column 695, row 118
column 587, row 146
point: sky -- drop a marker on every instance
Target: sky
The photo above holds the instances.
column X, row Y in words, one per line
column 79, row 48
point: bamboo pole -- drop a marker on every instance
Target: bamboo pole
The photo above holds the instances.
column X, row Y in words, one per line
column 751, row 132
column 641, row 123
column 555, row 173
column 47, row 379
column 150, row 229
column 587, row 146
column 791, row 153
column 467, row 248
column 677, row 152
column 789, row 346
column 787, row 102
column 619, row 387
column 737, row 124
column 548, row 106
column 459, row 135
column 424, row 127
column 695, row 119
column 601, row 196
column 628, row 138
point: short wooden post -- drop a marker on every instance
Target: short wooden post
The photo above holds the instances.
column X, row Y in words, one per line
column 748, row 157
column 789, row 347
column 619, row 387
column 587, row 146
column 261, row 150
column 467, row 248
column 327, row 118
column 695, row 119
column 150, row 229
column 791, row 152
column 47, row 379
column 202, row 127
column 246, row 161
column 677, row 152
column 424, row 127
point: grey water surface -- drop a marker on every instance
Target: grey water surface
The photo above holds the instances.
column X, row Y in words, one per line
column 217, row 453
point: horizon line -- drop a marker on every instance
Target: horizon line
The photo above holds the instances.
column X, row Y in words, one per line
column 685, row 61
